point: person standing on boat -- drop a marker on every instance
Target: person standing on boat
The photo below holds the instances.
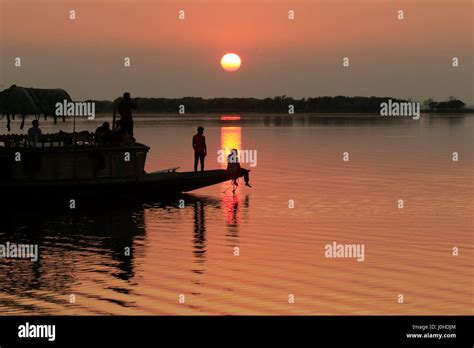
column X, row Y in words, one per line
column 200, row 148
column 124, row 108
column 34, row 133
column 233, row 166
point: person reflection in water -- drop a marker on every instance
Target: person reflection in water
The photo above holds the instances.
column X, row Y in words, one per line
column 200, row 148
column 199, row 232
column 233, row 166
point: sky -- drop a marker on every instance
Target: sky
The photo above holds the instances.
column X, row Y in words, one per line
column 303, row 57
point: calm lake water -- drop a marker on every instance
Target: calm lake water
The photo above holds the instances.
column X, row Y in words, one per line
column 190, row 251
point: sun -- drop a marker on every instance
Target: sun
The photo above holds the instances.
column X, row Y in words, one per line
column 230, row 62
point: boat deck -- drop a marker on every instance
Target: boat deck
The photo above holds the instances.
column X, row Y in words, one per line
column 65, row 165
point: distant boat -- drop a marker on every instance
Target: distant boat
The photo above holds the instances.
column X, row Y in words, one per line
column 59, row 166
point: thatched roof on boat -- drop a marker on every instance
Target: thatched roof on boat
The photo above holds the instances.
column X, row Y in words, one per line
column 25, row 101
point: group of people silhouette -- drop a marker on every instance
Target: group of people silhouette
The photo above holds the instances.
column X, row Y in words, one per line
column 123, row 134
column 233, row 163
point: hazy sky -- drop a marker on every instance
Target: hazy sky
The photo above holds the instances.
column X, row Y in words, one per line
column 408, row 58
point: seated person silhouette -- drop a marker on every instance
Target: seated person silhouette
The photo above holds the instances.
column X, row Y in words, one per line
column 103, row 133
column 233, row 166
column 34, row 133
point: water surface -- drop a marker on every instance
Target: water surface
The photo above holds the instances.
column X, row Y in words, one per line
column 191, row 251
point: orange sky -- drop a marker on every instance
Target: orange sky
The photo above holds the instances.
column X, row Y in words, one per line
column 300, row 58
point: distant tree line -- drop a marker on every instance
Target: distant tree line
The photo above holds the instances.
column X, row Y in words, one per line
column 34, row 101
column 452, row 104
column 279, row 104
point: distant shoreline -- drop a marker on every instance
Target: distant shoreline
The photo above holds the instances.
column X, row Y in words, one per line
column 281, row 105
column 316, row 114
column 24, row 101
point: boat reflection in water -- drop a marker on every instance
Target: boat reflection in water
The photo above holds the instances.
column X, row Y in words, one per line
column 71, row 244
column 104, row 253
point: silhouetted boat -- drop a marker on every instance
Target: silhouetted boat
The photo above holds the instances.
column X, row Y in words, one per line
column 60, row 166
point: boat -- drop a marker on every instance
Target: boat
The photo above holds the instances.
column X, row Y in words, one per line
column 70, row 165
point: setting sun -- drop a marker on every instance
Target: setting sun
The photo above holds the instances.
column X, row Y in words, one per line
column 230, row 62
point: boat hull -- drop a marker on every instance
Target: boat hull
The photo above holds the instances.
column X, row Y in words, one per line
column 147, row 186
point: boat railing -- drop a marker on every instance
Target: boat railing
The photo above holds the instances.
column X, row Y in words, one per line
column 54, row 140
